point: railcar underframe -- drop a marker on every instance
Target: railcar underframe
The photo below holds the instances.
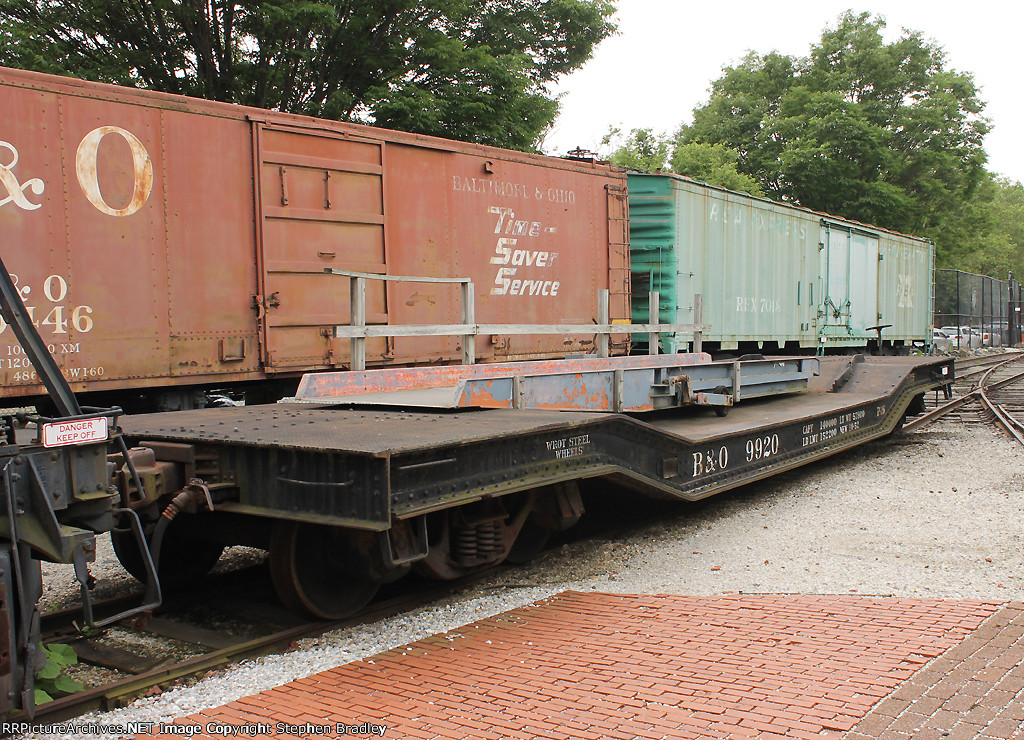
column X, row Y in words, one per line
column 348, row 497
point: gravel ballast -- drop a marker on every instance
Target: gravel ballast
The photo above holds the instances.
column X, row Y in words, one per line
column 936, row 513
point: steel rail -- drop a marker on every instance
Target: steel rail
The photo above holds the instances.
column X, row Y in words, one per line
column 998, row 412
column 940, row 411
column 977, row 394
column 1014, row 421
column 976, row 365
column 1001, row 417
column 986, row 360
column 120, row 693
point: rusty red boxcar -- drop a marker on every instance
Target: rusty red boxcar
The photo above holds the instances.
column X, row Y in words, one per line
column 168, row 244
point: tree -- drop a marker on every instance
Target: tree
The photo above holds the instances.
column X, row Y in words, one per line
column 990, row 240
column 713, row 164
column 1008, row 224
column 873, row 131
column 643, row 150
column 742, row 102
column 471, row 69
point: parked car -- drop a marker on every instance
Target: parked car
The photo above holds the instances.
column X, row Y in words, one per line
column 963, row 337
column 955, row 337
column 941, row 341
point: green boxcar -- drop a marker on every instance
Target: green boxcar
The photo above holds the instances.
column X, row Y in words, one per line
column 772, row 276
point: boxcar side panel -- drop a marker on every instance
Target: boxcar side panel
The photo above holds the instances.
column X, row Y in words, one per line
column 693, row 226
column 863, row 283
column 532, row 235
column 322, row 206
column 421, row 236
column 76, row 181
column 769, row 246
column 534, row 240
column 652, row 236
column 34, row 246
column 849, row 277
column 905, row 293
column 749, row 258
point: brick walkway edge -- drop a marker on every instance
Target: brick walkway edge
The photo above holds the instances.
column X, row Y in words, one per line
column 585, row 666
column 974, row 690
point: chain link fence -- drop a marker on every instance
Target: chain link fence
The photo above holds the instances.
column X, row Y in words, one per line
column 978, row 310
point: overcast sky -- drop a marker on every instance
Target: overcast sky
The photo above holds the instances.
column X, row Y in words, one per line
column 667, row 52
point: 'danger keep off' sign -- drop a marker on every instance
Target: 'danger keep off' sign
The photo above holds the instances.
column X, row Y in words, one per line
column 60, row 433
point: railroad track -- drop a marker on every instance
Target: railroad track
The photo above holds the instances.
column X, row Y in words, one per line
column 987, row 390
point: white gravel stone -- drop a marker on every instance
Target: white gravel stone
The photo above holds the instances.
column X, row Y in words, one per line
column 937, row 515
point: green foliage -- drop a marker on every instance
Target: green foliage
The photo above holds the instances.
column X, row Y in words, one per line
column 713, row 164
column 470, row 69
column 49, row 682
column 873, row 131
column 643, row 150
column 1008, row 222
column 742, row 100
column 989, row 234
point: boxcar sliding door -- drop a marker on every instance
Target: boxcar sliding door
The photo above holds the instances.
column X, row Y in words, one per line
column 863, row 282
column 849, row 275
column 320, row 205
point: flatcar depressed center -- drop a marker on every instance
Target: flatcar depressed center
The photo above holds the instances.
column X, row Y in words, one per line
column 346, row 498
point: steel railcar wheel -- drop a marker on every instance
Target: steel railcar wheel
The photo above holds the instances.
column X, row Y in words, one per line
column 315, row 572
column 528, row 543
column 183, row 559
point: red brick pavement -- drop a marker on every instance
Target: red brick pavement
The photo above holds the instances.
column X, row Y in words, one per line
column 590, row 665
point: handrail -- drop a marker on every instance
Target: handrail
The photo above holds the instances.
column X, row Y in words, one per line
column 358, row 331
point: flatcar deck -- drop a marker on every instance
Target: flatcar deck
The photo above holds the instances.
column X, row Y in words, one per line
column 359, row 429
column 362, row 467
column 860, row 380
